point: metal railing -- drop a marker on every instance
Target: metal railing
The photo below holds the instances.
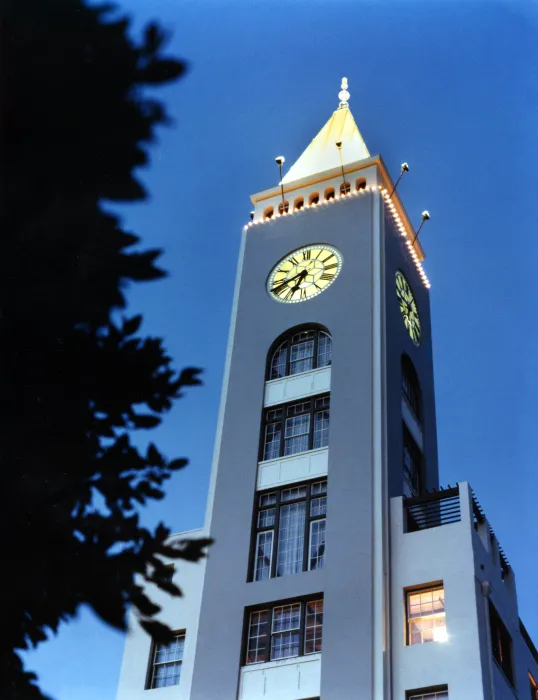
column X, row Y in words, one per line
column 433, row 509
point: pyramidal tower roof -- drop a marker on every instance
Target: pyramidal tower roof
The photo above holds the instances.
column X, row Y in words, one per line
column 323, row 153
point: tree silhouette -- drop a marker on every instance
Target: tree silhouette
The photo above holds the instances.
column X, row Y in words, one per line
column 75, row 382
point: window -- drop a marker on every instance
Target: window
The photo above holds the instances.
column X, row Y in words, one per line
column 345, row 188
column 296, row 427
column 432, row 694
column 290, row 530
column 268, row 213
column 314, row 198
column 361, row 184
column 284, row 631
column 426, row 620
column 410, row 386
column 329, row 193
column 501, row 644
column 167, row 661
column 283, row 207
column 534, row 687
column 412, row 465
column 302, row 352
column 299, row 203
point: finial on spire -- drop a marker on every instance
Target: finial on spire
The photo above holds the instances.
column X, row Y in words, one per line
column 343, row 94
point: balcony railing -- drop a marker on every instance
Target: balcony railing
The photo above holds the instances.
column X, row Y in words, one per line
column 433, row 509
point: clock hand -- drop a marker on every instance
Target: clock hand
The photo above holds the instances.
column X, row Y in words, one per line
column 283, row 285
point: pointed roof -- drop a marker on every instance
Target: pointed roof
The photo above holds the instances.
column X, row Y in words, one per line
column 322, row 153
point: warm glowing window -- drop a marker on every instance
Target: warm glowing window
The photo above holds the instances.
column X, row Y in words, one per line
column 301, row 352
column 283, row 207
column 501, row 644
column 268, row 213
column 361, row 184
column 299, row 203
column 534, row 687
column 426, row 620
column 290, row 530
column 345, row 188
column 284, row 631
column 329, row 193
column 167, row 662
column 314, row 198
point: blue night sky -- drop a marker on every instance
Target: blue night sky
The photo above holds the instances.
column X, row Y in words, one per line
column 449, row 87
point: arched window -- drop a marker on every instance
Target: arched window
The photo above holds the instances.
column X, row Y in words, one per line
column 345, row 188
column 299, row 203
column 314, row 198
column 361, row 184
column 329, row 193
column 301, row 352
column 283, row 207
column 411, row 387
column 268, row 212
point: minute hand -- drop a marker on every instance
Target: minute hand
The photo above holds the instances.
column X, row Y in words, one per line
column 283, row 285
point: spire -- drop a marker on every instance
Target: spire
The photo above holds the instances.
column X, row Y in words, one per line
column 322, row 153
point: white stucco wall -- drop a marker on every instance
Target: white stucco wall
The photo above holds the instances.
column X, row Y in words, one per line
column 179, row 614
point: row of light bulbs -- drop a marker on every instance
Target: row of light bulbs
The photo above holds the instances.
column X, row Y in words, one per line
column 388, row 202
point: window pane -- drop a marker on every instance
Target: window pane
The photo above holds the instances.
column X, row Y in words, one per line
column 266, row 518
column 302, row 357
column 292, row 494
column 166, row 675
column 296, row 436
column 257, row 637
column 313, row 627
column 318, row 506
column 272, row 441
column 319, row 487
column 317, row 544
column 436, row 695
column 267, row 499
column 286, row 617
column 324, row 349
column 278, row 363
column 264, row 553
column 285, row 645
column 426, row 615
column 291, row 539
column 321, row 429
column 170, row 652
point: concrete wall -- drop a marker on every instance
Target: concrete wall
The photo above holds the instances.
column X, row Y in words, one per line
column 179, row 614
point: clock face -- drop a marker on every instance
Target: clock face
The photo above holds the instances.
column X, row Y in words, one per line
column 305, row 273
column 408, row 307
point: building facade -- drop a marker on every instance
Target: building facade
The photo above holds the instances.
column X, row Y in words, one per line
column 341, row 569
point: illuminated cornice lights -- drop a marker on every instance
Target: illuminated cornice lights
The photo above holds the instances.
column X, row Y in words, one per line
column 389, row 203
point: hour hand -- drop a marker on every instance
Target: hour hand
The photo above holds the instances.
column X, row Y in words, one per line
column 282, row 285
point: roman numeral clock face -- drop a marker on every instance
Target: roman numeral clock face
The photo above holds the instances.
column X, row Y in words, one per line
column 305, row 273
column 408, row 308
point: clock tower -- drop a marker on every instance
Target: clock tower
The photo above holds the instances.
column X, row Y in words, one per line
column 330, row 330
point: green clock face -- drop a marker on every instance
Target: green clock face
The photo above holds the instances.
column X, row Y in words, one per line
column 408, row 307
column 304, row 273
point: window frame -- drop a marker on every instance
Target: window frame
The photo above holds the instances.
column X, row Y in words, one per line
column 421, row 693
column 496, row 624
column 288, row 342
column 439, row 585
column 408, row 439
column 268, row 645
column 150, row 675
column 309, row 519
column 310, row 411
column 411, row 391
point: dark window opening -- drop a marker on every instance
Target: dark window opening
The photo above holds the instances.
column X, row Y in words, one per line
column 411, row 387
column 412, row 465
column 268, row 213
column 314, row 198
column 283, row 207
column 345, row 188
column 501, row 644
column 329, row 193
column 361, row 184
column 299, row 203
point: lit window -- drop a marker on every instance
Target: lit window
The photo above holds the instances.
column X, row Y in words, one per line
column 534, row 687
column 290, row 530
column 296, row 428
column 426, row 620
column 412, row 465
column 429, row 695
column 501, row 644
column 284, row 631
column 167, row 662
column 301, row 352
